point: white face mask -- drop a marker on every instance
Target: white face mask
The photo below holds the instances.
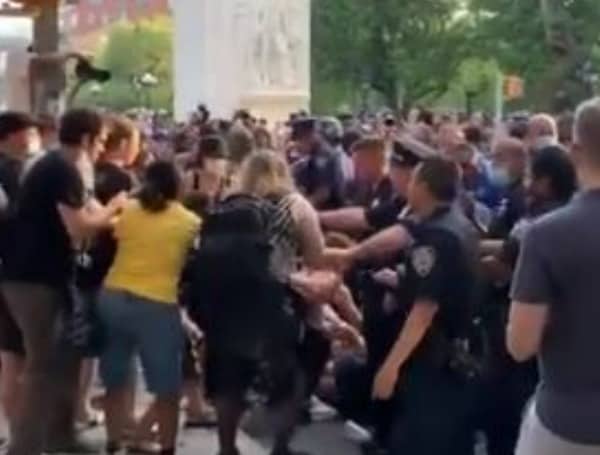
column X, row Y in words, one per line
column 500, row 177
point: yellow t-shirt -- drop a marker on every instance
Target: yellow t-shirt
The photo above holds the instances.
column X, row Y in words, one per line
column 151, row 251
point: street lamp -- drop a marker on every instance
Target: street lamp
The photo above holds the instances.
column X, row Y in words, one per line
column 145, row 82
column 96, row 89
column 148, row 80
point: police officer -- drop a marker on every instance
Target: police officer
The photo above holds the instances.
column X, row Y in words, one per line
column 383, row 211
column 384, row 309
column 440, row 286
column 319, row 173
column 371, row 183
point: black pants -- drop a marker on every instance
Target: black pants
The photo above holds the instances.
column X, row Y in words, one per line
column 314, row 353
column 282, row 375
column 501, row 404
column 354, row 383
column 436, row 415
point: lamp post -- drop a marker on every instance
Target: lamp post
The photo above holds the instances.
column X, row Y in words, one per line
column 96, row 90
column 148, row 81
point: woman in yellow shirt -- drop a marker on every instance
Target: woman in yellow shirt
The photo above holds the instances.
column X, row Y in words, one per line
column 138, row 307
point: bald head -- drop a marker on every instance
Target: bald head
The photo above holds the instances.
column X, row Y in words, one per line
column 586, row 130
column 510, row 148
column 542, row 130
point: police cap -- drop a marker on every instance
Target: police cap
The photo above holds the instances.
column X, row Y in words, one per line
column 403, row 156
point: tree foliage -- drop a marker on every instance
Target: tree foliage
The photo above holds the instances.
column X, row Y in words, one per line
column 550, row 43
column 402, row 49
column 131, row 51
column 415, row 50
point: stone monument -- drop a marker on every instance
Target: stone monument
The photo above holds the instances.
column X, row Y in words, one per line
column 232, row 54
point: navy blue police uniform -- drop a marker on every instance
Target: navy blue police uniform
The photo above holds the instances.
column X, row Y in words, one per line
column 436, row 394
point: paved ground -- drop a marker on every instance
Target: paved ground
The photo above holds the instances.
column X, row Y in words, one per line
column 318, row 439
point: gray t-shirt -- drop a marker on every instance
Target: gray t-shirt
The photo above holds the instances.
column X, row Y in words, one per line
column 559, row 266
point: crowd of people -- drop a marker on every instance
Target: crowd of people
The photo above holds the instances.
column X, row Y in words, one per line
column 406, row 271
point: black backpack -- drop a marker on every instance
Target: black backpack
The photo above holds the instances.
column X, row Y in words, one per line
column 232, row 293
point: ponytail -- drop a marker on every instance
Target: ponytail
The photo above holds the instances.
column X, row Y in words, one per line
column 160, row 186
column 152, row 199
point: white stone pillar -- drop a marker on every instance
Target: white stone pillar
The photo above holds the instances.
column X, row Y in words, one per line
column 279, row 41
column 242, row 53
column 187, row 49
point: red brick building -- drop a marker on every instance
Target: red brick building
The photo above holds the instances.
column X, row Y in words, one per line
column 92, row 16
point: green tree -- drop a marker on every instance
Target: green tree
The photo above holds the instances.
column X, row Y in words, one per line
column 131, row 51
column 550, row 43
column 404, row 50
column 474, row 86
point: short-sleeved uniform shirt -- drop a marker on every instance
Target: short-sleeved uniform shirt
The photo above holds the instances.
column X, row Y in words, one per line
column 151, row 251
column 369, row 196
column 440, row 267
column 41, row 250
column 385, row 214
column 558, row 267
column 321, row 169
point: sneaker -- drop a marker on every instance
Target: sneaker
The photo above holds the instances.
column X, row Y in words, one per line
column 356, row 433
column 320, row 411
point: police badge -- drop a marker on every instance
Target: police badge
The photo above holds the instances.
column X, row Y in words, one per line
column 423, row 259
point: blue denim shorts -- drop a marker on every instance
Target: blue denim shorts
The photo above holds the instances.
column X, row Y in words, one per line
column 134, row 325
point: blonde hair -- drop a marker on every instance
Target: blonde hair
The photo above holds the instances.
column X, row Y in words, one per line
column 265, row 173
column 120, row 129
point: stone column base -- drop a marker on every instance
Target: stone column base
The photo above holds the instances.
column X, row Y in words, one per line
column 275, row 106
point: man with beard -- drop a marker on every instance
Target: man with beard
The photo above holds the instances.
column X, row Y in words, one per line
column 510, row 385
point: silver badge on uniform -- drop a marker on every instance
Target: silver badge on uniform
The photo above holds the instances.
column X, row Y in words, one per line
column 423, row 259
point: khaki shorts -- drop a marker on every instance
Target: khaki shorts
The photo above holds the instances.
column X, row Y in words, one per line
column 536, row 439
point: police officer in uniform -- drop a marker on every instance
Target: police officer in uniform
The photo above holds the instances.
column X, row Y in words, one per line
column 319, row 173
column 423, row 367
column 384, row 306
column 383, row 212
